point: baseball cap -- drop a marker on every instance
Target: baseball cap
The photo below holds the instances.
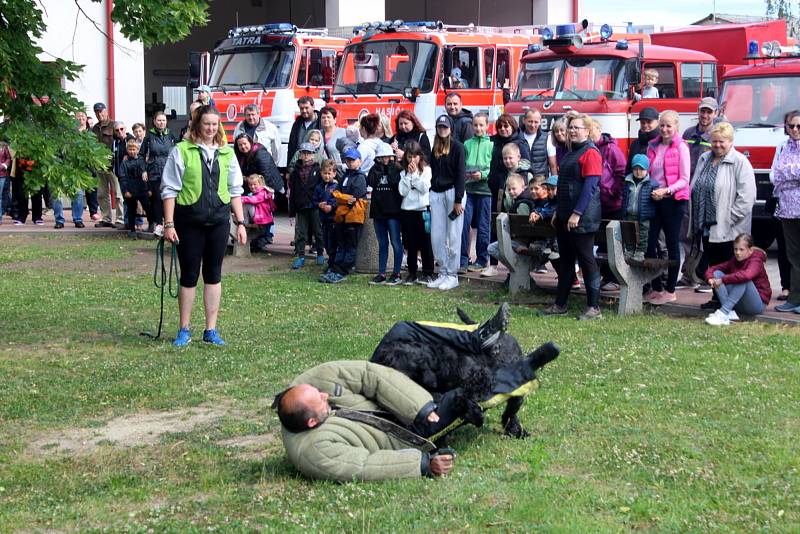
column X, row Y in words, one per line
column 384, row 150
column 99, row 107
column 640, row 160
column 306, row 147
column 709, row 103
column 351, row 153
column 443, row 120
column 648, row 114
column 552, row 180
column 204, row 89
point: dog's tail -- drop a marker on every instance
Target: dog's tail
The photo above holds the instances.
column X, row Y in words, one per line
column 466, row 319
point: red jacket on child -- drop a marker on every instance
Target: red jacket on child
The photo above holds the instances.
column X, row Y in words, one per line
column 751, row 269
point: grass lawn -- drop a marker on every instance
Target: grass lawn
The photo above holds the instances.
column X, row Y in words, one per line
column 645, row 423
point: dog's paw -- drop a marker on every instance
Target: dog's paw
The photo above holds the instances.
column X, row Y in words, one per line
column 514, row 429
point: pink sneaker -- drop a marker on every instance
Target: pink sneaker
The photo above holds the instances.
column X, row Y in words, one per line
column 650, row 295
column 663, row 298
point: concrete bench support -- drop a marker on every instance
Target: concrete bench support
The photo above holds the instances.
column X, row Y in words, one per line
column 518, row 265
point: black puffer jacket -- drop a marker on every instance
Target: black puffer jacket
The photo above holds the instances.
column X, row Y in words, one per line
column 155, row 150
column 538, row 153
column 420, row 137
column 259, row 161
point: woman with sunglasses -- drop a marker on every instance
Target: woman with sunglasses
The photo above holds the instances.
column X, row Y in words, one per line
column 785, row 177
column 722, row 198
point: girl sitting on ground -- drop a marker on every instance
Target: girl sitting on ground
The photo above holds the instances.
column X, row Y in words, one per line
column 741, row 283
column 259, row 205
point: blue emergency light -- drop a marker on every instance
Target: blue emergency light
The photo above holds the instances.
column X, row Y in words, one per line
column 606, row 32
column 622, row 44
column 753, row 49
column 547, row 33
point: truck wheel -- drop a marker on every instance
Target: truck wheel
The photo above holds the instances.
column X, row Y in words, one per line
column 764, row 232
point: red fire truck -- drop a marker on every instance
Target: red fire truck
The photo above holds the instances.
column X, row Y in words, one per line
column 397, row 65
column 590, row 73
column 272, row 65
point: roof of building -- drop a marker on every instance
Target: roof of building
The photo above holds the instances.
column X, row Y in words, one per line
column 729, row 18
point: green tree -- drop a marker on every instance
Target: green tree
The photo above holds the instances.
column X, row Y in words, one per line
column 38, row 114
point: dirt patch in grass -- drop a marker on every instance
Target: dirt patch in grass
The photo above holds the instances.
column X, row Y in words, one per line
column 128, row 431
column 251, row 446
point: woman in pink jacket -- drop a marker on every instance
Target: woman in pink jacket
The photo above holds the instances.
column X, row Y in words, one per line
column 670, row 163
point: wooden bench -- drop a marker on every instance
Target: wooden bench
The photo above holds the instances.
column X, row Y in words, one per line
column 243, row 251
column 616, row 235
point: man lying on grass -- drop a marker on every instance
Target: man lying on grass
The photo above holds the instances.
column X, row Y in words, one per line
column 359, row 420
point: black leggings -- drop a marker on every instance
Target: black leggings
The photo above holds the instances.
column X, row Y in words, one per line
column 201, row 244
column 573, row 246
column 417, row 241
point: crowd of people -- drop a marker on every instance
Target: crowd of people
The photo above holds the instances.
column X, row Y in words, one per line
column 691, row 193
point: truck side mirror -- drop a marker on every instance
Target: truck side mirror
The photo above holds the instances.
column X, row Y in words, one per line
column 325, row 94
column 506, row 96
column 195, row 69
column 633, row 73
column 411, row 93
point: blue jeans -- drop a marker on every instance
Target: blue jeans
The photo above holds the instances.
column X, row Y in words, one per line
column 386, row 230
column 77, row 208
column 477, row 214
column 743, row 298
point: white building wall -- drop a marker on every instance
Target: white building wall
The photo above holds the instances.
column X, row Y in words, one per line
column 71, row 36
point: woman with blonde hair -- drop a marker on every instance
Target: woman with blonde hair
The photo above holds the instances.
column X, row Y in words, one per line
column 200, row 185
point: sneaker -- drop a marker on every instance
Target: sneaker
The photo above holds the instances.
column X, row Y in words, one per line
column 104, row 224
column 718, row 318
column 39, row 222
column 211, row 336
column 394, row 280
column 462, row 269
column 451, row 282
column 79, row 224
column 439, row 281
column 96, row 217
column 712, row 304
column 733, row 316
column 159, row 230
column 325, row 277
column 320, row 260
column 490, row 271
column 592, row 312
column 425, row 279
column 554, row 309
column 335, row 278
column 664, row 297
column 703, row 288
column 183, row 338
column 541, row 270
column 638, row 257
column 17, row 223
column 784, row 295
column 475, row 267
column 610, row 286
column 58, row 225
column 652, row 295
column 787, row 307
column 409, row 280
column 489, row 332
column 576, row 283
column 298, row 263
column 378, row 280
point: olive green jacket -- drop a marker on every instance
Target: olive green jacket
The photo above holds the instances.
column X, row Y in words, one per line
column 344, row 450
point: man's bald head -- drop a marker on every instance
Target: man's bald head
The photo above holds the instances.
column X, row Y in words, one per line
column 302, row 407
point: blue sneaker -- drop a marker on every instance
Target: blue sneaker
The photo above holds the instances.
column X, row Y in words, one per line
column 335, row 278
column 298, row 262
column 787, row 307
column 324, row 277
column 320, row 260
column 211, row 336
column 183, row 338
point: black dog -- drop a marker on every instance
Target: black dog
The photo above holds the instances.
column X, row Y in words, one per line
column 441, row 369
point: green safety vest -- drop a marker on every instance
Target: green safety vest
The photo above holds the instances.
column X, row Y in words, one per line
column 192, row 181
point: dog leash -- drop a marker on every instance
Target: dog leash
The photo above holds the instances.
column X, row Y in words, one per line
column 164, row 281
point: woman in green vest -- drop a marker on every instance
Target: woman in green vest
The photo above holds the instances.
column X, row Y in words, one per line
column 200, row 186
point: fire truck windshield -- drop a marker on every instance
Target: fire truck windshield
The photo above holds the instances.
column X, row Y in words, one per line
column 263, row 67
column 574, row 78
column 387, row 66
column 759, row 102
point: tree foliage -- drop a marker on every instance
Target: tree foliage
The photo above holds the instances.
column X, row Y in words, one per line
column 38, row 114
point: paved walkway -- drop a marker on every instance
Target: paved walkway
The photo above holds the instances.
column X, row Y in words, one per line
column 688, row 302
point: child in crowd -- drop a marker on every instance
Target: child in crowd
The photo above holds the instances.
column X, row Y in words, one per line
column 543, row 205
column 323, row 199
column 518, row 200
column 302, row 182
column 259, row 206
column 139, row 132
column 637, row 203
column 349, row 217
column 314, row 138
column 649, row 89
column 384, row 179
column 133, row 183
column 415, row 183
column 741, row 283
column 478, row 207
